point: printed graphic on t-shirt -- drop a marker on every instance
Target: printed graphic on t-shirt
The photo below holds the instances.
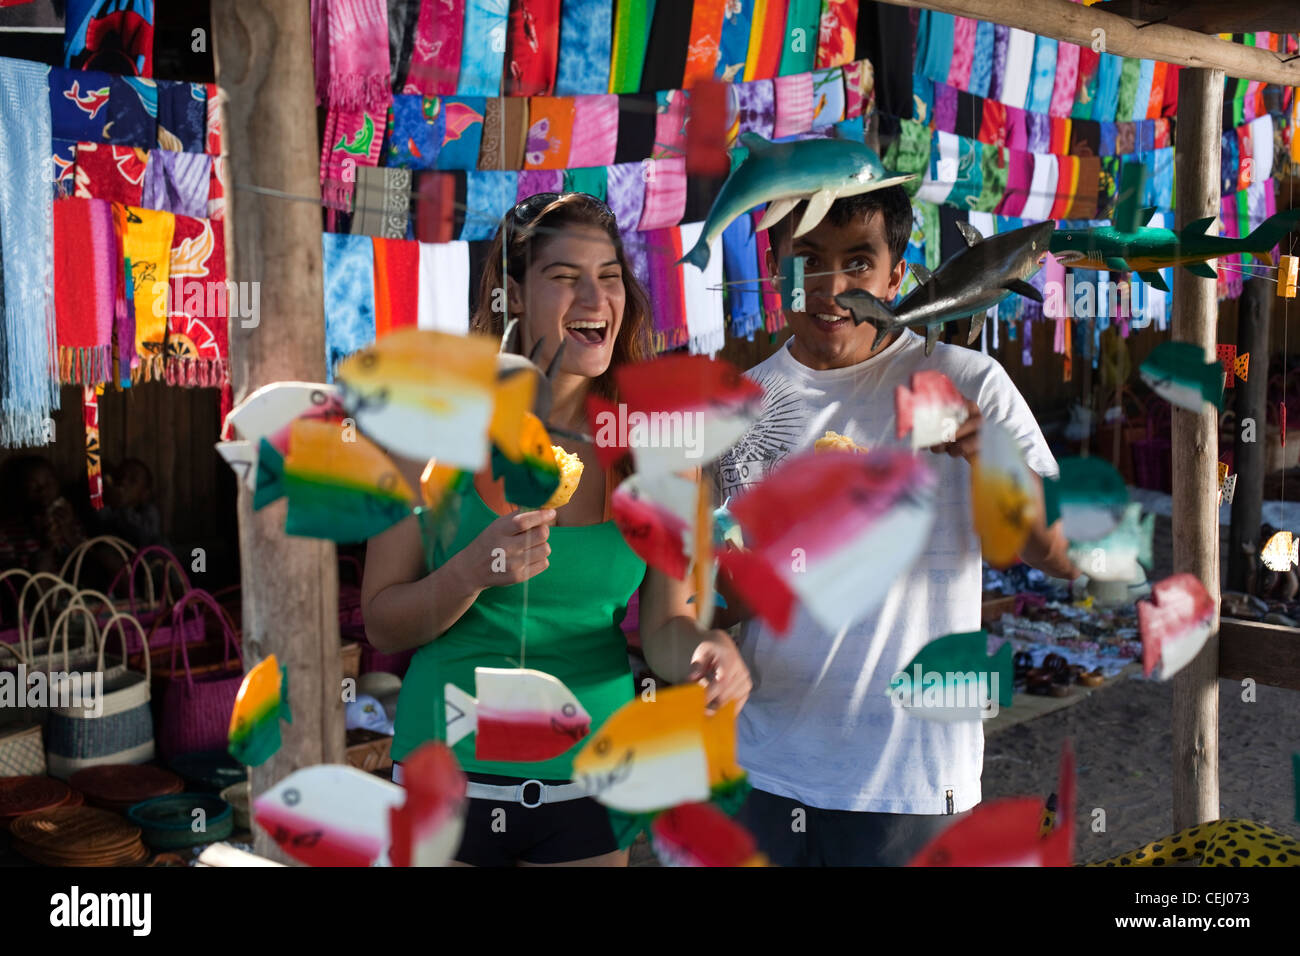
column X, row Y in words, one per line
column 780, row 426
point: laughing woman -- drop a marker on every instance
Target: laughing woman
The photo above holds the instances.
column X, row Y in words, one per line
column 569, row 574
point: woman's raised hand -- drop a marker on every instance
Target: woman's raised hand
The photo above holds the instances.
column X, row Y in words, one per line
column 511, row 549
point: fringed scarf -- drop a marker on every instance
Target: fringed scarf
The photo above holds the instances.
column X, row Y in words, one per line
column 85, row 289
column 198, row 346
column 359, row 92
column 435, row 53
column 146, row 251
column 29, row 388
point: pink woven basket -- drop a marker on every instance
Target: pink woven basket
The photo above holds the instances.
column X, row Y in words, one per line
column 153, row 614
column 196, row 709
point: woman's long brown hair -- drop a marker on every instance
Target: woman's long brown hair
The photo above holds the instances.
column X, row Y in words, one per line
column 570, row 209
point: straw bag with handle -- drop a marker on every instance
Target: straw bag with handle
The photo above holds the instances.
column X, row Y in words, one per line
column 9, row 635
column 154, row 613
column 22, row 745
column 72, row 564
column 118, row 727
column 196, row 707
column 52, row 602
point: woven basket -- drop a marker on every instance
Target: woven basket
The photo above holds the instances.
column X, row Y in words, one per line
column 152, row 606
column 196, row 709
column 369, row 750
column 10, row 635
column 22, row 752
column 122, row 729
column 71, row 570
column 167, row 823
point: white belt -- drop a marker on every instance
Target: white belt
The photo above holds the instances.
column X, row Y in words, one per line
column 530, row 793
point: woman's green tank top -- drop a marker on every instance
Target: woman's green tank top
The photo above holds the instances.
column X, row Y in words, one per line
column 573, row 610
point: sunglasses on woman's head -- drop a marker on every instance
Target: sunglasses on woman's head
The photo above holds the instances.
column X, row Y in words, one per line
column 526, row 211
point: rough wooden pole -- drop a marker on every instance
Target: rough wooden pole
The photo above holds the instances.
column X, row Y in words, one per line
column 1248, row 456
column 1108, row 33
column 290, row 585
column 1195, row 718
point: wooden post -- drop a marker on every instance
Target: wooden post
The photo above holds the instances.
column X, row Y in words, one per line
column 1248, row 456
column 1195, row 718
column 263, row 60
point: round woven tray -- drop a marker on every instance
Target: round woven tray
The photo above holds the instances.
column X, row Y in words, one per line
column 119, row 786
column 22, row 795
column 167, row 822
column 77, row 836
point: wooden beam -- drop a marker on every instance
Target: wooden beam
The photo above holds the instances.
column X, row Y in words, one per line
column 1248, row 456
column 1075, row 23
column 1266, row 653
column 263, row 60
column 1195, row 718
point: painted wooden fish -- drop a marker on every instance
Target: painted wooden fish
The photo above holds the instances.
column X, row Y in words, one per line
column 674, row 413
column 1146, row 250
column 518, row 715
column 968, row 284
column 1174, row 624
column 1281, row 552
column 1088, row 497
column 955, row 678
column 699, row 834
column 1116, row 556
column 1180, row 374
column 261, row 703
column 931, row 410
column 784, row 175
column 427, row 829
column 654, row 754
column 1004, row 501
column 831, row 531
column 267, row 413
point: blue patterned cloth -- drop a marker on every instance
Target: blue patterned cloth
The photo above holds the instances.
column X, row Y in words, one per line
column 132, row 112
column 489, row 195
column 1108, row 69
column 733, row 48
column 981, row 69
column 349, row 265
column 586, row 44
column 415, row 140
column 483, row 52
column 740, row 264
column 183, row 112
column 461, row 118
column 1142, row 98
column 936, row 60
column 78, row 104
column 29, row 389
column 1044, row 76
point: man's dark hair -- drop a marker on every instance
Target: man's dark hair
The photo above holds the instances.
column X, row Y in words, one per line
column 891, row 202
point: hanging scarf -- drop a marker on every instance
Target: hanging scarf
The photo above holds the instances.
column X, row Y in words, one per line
column 733, row 42
column 1067, row 183
column 1019, row 68
column 1017, row 128
column 198, row 347
column 740, row 258
column 993, row 124
column 935, row 54
column 670, row 124
column 1129, row 75
column 665, row 194
column 799, row 52
column 945, row 108
column 1084, row 205
column 1001, row 34
column 702, row 51
column 859, row 88
column 1044, row 76
column 773, row 316
column 550, row 132
column 177, row 182
column 489, row 196
column 436, row 48
column 586, row 40
column 1106, row 105
column 756, row 107
column 397, row 284
column 182, row 116
column 383, row 202
column 217, row 190
column 534, row 181
column 359, row 93
column 631, row 31
column 1067, row 79
column 90, row 426
column 837, row 33
column 1060, row 135
column 462, row 132
column 213, row 137
column 132, row 118
column 64, row 157
column 702, row 295
column 444, row 287
column 85, row 289
column 1086, row 90
column 78, row 103
column 505, row 131
column 625, row 194
column 794, row 104
column 828, row 97
column 963, row 50
column 994, row 176
column 766, row 40
column 483, row 52
column 349, row 266
column 666, row 292
column 112, row 35
column 637, row 119
column 1039, row 132
column 981, row 67
column 1156, row 99
column 591, row 181
column 403, row 18
column 29, row 389
column 415, row 131
column 146, row 236
column 533, row 39
column 435, row 210
column 595, row 130
column 115, row 173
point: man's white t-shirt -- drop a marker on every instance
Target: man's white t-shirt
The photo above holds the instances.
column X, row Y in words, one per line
column 819, row 726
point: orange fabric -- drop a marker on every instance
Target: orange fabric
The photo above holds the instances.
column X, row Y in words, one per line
column 550, row 132
column 706, row 35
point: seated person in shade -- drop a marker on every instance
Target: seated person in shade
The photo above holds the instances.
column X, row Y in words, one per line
column 129, row 511
column 42, row 528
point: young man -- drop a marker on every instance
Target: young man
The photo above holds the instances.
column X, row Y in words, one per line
column 841, row 775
